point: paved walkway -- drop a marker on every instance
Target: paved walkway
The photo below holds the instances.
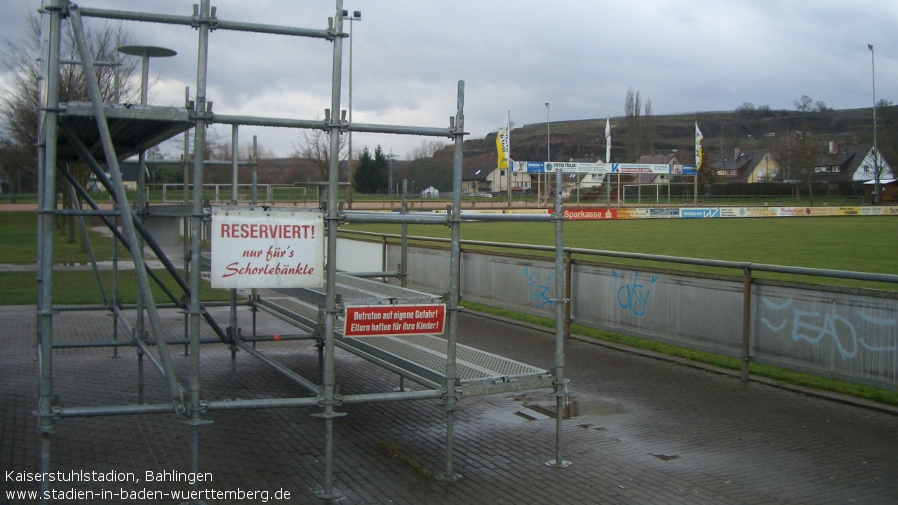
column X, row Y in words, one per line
column 648, row 431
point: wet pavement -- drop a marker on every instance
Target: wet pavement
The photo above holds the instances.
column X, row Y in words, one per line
column 638, row 431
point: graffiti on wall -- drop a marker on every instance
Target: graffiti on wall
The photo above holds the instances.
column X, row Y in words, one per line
column 537, row 288
column 634, row 295
column 814, row 328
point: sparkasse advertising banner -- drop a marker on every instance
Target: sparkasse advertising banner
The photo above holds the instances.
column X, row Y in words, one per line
column 589, row 214
column 258, row 248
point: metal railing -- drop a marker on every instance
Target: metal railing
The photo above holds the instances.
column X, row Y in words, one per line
column 746, row 269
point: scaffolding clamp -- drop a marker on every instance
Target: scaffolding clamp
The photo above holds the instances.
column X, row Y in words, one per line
column 196, row 422
column 560, row 388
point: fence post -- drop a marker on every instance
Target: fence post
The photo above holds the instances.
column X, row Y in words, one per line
column 383, row 254
column 568, row 266
column 746, row 324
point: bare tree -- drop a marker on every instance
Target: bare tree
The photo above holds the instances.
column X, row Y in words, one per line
column 798, row 157
column 803, row 104
column 429, row 164
column 315, row 145
column 427, row 149
column 640, row 134
column 648, row 136
column 633, row 110
column 877, row 170
column 19, row 102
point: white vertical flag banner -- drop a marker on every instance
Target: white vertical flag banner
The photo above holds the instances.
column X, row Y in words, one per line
column 607, row 140
column 698, row 148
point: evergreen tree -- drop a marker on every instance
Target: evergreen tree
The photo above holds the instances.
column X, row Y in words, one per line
column 380, row 180
column 371, row 173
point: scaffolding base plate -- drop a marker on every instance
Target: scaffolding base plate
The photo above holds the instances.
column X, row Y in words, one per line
column 334, row 494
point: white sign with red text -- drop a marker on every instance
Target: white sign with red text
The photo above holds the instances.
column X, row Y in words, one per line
column 267, row 248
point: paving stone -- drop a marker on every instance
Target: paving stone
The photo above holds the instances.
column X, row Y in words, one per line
column 680, row 434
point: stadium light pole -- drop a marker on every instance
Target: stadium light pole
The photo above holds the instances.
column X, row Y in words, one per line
column 876, row 197
column 548, row 155
column 356, row 16
column 548, row 136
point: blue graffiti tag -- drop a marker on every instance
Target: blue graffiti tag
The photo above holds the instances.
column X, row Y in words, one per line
column 536, row 288
column 633, row 295
column 812, row 327
column 827, row 329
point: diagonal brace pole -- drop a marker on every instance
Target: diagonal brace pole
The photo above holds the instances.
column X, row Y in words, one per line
column 86, row 240
column 112, row 227
column 140, row 228
column 127, row 222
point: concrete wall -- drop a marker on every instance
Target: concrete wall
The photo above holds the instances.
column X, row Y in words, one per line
column 843, row 333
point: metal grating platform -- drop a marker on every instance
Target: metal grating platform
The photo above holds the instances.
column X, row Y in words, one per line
column 357, row 291
column 133, row 128
column 422, row 358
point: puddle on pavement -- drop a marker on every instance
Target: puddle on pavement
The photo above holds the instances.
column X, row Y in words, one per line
column 574, row 407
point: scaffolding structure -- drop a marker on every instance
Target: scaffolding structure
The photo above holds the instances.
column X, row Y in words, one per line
column 103, row 134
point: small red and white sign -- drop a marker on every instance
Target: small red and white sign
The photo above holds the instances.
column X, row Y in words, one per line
column 391, row 320
column 259, row 248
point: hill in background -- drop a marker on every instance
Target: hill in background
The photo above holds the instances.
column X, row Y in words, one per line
column 746, row 128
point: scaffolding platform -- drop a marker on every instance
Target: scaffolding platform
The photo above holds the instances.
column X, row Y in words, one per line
column 133, row 128
column 422, row 358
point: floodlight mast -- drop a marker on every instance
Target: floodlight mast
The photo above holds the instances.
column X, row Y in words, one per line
column 877, row 199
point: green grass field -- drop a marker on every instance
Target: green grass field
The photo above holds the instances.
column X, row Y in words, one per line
column 863, row 244
column 18, row 245
column 18, row 241
column 80, row 288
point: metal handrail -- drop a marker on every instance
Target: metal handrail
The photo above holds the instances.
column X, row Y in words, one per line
column 735, row 265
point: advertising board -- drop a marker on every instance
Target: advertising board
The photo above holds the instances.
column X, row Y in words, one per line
column 639, row 168
column 733, row 212
column 699, row 213
column 793, row 211
column 589, row 214
column 663, row 213
column 273, row 248
column 538, row 167
column 823, row 211
column 629, row 214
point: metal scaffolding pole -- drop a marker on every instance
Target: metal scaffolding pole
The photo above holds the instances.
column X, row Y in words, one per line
column 451, row 395
column 332, row 219
column 47, row 204
column 403, row 251
column 560, row 303
column 85, row 239
column 203, row 20
column 232, row 319
column 200, row 18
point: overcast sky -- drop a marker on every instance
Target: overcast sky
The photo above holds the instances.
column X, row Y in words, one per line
column 517, row 55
